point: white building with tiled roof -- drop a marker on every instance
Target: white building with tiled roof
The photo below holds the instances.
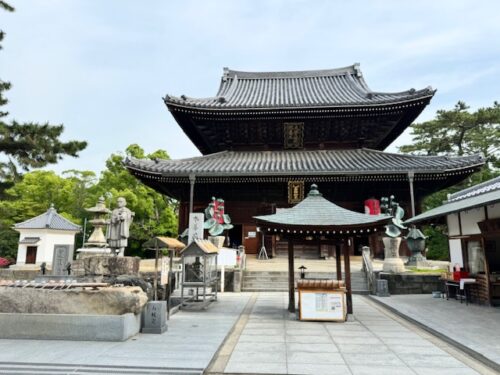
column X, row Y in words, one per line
column 39, row 235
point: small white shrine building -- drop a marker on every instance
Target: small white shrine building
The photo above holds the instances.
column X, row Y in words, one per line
column 39, row 235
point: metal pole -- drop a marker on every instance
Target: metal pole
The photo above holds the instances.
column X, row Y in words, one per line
column 411, row 176
column 192, row 179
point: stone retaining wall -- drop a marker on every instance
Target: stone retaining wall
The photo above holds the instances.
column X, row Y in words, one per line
column 411, row 283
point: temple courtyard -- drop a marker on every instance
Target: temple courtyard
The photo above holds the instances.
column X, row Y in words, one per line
column 253, row 333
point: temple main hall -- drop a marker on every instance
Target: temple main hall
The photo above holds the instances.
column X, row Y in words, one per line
column 265, row 137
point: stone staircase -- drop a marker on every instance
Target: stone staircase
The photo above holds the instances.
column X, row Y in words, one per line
column 277, row 281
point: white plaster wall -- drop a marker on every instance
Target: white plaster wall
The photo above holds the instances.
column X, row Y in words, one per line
column 470, row 218
column 45, row 247
column 52, row 238
column 494, row 211
column 453, row 225
column 456, row 253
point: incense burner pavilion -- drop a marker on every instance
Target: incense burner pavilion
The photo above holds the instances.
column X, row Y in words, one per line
column 266, row 137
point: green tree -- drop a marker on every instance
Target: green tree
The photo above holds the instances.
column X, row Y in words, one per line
column 24, row 146
column 457, row 132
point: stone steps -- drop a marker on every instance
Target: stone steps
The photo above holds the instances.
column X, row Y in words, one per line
column 277, row 281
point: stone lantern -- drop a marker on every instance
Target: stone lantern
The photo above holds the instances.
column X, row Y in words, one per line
column 416, row 243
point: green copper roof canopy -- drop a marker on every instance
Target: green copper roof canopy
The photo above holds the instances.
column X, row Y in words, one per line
column 319, row 213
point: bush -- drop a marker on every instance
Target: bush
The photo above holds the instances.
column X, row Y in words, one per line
column 437, row 243
column 4, row 262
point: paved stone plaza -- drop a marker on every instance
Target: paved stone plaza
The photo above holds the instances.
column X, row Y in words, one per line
column 252, row 333
column 375, row 342
column 474, row 326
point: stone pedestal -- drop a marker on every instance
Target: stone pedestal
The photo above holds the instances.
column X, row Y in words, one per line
column 154, row 317
column 111, row 266
column 382, row 288
column 392, row 261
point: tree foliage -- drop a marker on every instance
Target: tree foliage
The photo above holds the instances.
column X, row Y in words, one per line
column 24, row 146
column 75, row 190
column 457, row 132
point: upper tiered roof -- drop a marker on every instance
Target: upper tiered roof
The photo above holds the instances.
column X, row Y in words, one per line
column 342, row 87
column 333, row 108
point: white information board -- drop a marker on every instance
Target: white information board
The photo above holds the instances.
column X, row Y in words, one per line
column 164, row 271
column 226, row 257
column 322, row 305
column 195, row 227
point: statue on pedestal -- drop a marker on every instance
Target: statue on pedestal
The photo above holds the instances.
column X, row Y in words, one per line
column 119, row 224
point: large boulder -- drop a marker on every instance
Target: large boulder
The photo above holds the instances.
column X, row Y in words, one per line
column 104, row 301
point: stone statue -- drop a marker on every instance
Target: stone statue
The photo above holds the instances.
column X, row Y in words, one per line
column 121, row 218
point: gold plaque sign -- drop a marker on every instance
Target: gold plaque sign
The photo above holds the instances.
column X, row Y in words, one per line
column 295, row 191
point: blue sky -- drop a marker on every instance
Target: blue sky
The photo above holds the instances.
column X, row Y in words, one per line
column 102, row 67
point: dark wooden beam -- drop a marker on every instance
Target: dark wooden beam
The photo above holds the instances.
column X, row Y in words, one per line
column 338, row 262
column 291, row 277
column 347, row 270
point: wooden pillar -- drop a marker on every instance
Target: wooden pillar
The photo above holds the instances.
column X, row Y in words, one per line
column 347, row 270
column 338, row 262
column 291, row 277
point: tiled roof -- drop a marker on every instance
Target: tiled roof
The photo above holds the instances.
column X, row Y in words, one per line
column 316, row 211
column 299, row 162
column 48, row 220
column 490, row 185
column 340, row 87
column 479, row 195
column 490, row 197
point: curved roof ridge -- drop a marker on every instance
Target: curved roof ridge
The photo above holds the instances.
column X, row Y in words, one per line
column 353, row 69
column 192, row 158
column 412, row 156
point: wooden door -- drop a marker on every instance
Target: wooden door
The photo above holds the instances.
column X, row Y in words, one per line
column 251, row 239
column 31, row 255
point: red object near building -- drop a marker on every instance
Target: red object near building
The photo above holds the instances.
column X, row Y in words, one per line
column 372, row 206
column 457, row 275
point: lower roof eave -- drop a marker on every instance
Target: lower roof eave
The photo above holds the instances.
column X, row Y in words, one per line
column 324, row 229
column 184, row 175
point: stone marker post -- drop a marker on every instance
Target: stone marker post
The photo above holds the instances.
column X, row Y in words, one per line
column 62, row 255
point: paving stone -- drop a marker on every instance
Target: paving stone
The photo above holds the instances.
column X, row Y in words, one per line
column 382, row 370
column 251, row 347
column 314, row 348
column 373, row 359
column 256, row 368
column 435, row 361
column 362, row 348
column 318, row 369
column 444, row 371
column 315, row 358
column 356, row 340
column 261, row 338
column 259, row 357
column 312, row 339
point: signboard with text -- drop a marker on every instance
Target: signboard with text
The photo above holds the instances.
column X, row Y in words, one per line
column 195, row 227
column 322, row 305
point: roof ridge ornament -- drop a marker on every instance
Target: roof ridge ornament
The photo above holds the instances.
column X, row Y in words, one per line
column 314, row 192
